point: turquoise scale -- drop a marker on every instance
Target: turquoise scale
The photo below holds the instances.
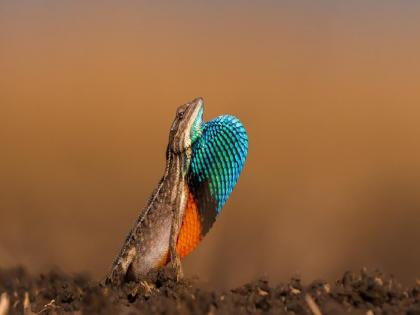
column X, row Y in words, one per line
column 219, row 151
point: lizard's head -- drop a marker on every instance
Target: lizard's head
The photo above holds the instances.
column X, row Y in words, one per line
column 187, row 125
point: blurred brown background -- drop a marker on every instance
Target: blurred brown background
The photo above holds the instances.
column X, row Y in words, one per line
column 329, row 92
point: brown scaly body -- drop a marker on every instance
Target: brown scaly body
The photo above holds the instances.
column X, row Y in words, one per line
column 156, row 230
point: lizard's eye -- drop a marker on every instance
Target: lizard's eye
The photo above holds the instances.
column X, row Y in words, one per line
column 180, row 115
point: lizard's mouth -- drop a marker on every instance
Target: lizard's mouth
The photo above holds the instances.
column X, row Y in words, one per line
column 195, row 109
column 195, row 122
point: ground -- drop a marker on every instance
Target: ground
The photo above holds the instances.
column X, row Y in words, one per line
column 364, row 292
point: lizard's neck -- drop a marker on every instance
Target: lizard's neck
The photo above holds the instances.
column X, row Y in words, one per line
column 177, row 165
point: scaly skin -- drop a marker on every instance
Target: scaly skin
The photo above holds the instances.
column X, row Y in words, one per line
column 203, row 163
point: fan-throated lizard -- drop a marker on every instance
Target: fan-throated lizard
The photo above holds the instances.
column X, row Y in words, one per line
column 203, row 163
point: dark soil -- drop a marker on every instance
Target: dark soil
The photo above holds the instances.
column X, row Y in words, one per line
column 57, row 293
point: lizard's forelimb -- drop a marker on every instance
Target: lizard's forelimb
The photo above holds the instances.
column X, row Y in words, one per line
column 178, row 213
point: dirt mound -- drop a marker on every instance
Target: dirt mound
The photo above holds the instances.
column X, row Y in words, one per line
column 57, row 293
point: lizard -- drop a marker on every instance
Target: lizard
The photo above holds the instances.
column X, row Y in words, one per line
column 203, row 163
